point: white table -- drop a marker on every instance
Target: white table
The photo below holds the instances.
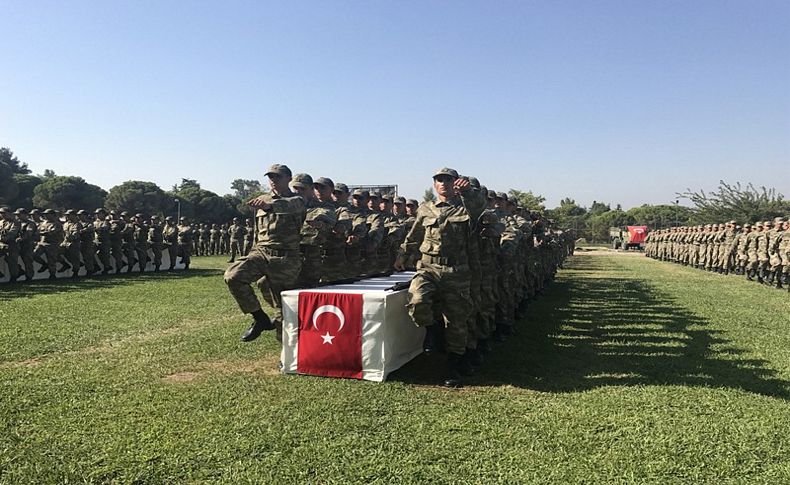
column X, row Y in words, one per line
column 390, row 338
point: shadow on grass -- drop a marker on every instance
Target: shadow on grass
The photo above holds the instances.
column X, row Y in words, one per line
column 10, row 291
column 594, row 329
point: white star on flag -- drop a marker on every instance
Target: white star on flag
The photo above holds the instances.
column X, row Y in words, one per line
column 327, row 338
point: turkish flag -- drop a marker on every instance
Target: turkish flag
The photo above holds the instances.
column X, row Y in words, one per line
column 330, row 334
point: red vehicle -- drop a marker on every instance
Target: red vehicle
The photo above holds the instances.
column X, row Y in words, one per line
column 630, row 237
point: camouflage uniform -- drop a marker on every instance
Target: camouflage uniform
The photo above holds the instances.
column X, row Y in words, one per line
column 156, row 241
column 72, row 230
column 170, row 236
column 186, row 236
column 101, row 229
column 9, row 247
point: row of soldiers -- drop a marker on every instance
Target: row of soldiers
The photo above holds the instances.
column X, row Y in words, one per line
column 99, row 241
column 233, row 239
column 760, row 251
column 477, row 263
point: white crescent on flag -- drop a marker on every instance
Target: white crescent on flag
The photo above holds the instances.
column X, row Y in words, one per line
column 329, row 309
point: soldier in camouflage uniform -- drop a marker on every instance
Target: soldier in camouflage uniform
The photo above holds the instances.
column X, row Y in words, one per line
column 334, row 265
column 170, row 237
column 101, row 228
column 774, row 237
column 355, row 240
column 186, row 239
column 72, row 230
column 27, row 239
column 393, row 236
column 740, row 250
column 117, row 227
column 441, row 285
column 784, row 254
column 50, row 233
column 320, row 220
column 274, row 262
column 249, row 236
column 156, row 241
column 9, row 246
column 236, row 233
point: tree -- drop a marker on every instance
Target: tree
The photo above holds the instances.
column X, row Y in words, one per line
column 660, row 216
column 528, row 200
column 139, row 196
column 246, row 189
column 600, row 223
column 26, row 184
column 743, row 204
column 48, row 174
column 598, row 208
column 428, row 195
column 63, row 192
column 8, row 186
column 7, row 157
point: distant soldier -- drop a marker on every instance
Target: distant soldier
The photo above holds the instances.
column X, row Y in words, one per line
column 376, row 233
column 214, row 238
column 87, row 242
column 237, row 233
column 9, row 242
column 762, row 252
column 27, row 240
column 117, row 227
column 156, row 241
column 128, row 241
column 393, row 236
column 140, row 241
column 101, row 228
column 205, row 240
column 224, row 239
column 784, row 254
column 275, row 261
column 774, row 237
column 334, row 264
column 50, row 233
column 170, row 237
column 249, row 236
column 72, row 231
column 319, row 222
column 358, row 231
column 185, row 241
column 741, row 258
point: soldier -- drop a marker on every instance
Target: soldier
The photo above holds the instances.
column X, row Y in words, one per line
column 50, row 233
column 101, row 228
column 140, row 242
column 376, row 233
column 214, row 239
column 275, row 261
column 117, row 227
column 774, row 238
column 319, row 222
column 27, row 238
column 72, row 232
column 393, row 236
column 784, row 254
column 128, row 241
column 762, row 253
column 156, row 241
column 224, row 239
column 752, row 265
column 170, row 237
column 741, row 258
column 205, row 240
column 237, row 233
column 359, row 228
column 333, row 259
column 9, row 242
column 249, row 236
column 186, row 236
column 441, row 284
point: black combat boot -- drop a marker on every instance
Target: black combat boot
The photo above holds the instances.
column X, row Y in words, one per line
column 431, row 343
column 259, row 323
column 451, row 377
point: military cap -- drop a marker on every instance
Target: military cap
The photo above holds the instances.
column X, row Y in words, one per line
column 100, row 211
column 387, row 197
column 124, row 214
column 446, row 171
column 733, row 222
column 169, row 218
column 71, row 212
column 747, row 226
column 492, row 194
column 361, row 193
column 779, row 220
column 484, row 189
column 412, row 202
column 3, row 210
column 154, row 217
column 302, row 180
column 183, row 218
column 113, row 213
column 138, row 216
column 279, row 169
column 325, row 181
column 375, row 195
column 340, row 187
column 400, row 200
column 49, row 211
column 501, row 195
column 21, row 210
column 34, row 211
column 475, row 183
column 758, row 224
column 768, row 223
column 81, row 212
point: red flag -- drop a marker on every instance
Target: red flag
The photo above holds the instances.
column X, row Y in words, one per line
column 330, row 334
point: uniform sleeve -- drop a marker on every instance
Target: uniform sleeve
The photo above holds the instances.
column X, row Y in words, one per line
column 411, row 245
column 474, row 203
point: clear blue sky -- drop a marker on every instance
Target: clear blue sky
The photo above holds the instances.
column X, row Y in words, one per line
column 618, row 101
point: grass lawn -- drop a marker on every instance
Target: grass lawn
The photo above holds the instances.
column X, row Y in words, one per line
column 627, row 370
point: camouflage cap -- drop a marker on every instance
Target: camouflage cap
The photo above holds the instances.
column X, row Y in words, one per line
column 475, row 183
column 492, row 194
column 169, row 218
column 302, row 180
column 20, row 210
column 100, row 211
column 400, row 200
column 71, row 212
column 113, row 213
column 138, row 216
column 768, row 223
column 183, row 218
column 279, row 170
column 340, row 187
column 4, row 210
column 35, row 211
column 124, row 214
column 501, row 195
column 388, row 197
column 779, row 220
column 446, row 171
column 361, row 193
column 758, row 224
column 82, row 212
column 747, row 226
column 325, row 181
column 484, row 190
column 733, row 222
column 375, row 195
column 154, row 217
column 49, row 211
column 412, row 202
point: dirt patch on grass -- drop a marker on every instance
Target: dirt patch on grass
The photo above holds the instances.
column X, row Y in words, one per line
column 266, row 366
column 32, row 362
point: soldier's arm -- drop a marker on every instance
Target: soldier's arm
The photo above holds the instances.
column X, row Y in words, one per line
column 474, row 203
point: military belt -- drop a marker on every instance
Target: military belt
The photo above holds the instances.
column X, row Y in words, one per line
column 277, row 252
column 443, row 261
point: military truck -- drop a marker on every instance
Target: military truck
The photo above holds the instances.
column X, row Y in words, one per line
column 628, row 237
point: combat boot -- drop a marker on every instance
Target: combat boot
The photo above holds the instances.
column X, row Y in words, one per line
column 452, row 378
column 432, row 342
column 259, row 323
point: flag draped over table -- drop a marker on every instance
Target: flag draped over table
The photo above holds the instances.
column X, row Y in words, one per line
column 330, row 334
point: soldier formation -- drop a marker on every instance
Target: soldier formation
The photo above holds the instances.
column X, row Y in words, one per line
column 478, row 257
column 760, row 251
column 101, row 242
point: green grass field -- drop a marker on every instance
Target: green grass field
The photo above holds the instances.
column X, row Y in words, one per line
column 627, row 370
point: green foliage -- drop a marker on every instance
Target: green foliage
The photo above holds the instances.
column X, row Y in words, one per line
column 626, row 370
column 9, row 190
column 734, row 201
column 428, row 195
column 26, row 184
column 528, row 200
column 660, row 216
column 600, row 223
column 246, row 189
column 12, row 171
column 139, row 196
column 8, row 158
column 63, row 192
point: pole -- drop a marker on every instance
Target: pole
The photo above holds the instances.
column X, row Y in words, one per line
column 179, row 209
